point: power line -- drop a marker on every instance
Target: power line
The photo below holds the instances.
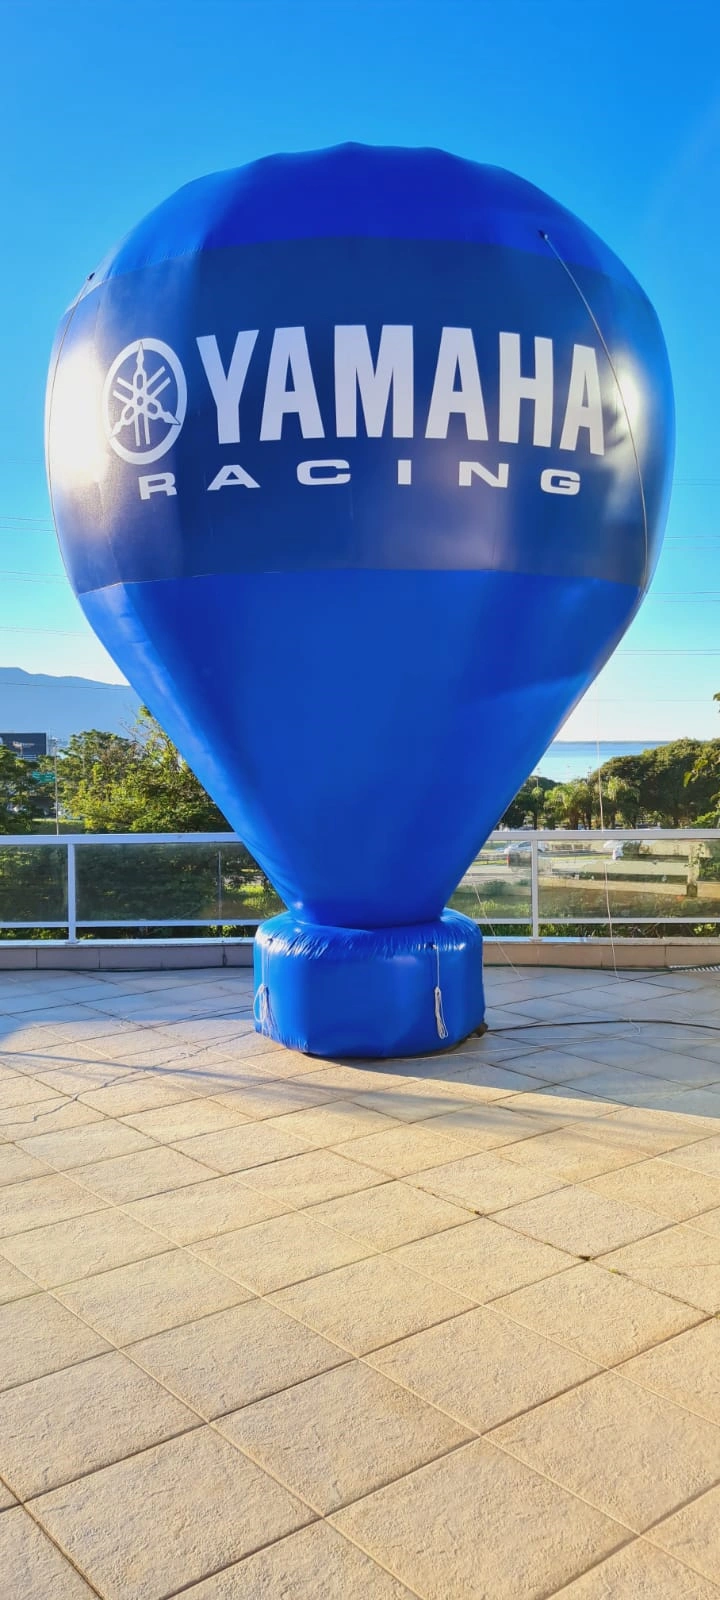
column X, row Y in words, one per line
column 68, row 633
column 86, row 683
column 33, row 577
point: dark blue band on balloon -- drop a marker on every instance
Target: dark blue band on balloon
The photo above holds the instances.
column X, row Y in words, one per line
column 362, row 509
column 358, row 191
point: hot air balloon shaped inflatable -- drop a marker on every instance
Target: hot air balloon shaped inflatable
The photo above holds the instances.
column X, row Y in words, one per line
column 359, row 462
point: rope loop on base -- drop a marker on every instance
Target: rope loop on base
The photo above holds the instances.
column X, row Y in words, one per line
column 262, row 1009
column 438, row 997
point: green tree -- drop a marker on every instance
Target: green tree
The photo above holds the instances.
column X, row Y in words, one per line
column 25, row 798
column 528, row 807
column 620, row 802
column 571, row 805
column 675, row 783
column 140, row 784
column 135, row 785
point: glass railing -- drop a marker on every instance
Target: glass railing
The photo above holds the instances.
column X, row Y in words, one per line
column 525, row 884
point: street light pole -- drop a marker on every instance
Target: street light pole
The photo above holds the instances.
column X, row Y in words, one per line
column 54, row 744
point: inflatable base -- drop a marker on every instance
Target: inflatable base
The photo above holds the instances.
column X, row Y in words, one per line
column 370, row 993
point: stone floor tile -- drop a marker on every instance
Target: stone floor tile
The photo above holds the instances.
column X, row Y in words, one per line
column 13, row 1284
column 319, row 1126
column 652, row 1132
column 400, row 1151
column 86, row 1069
column 685, row 1070
column 560, row 1105
column 685, row 1369
column 482, row 1369
column 697, row 1102
column 369, row 1303
column 135, row 1092
column 146, row 1172
column 706, row 1222
column 31, row 1566
column 673, row 1191
column 703, row 1156
column 148, row 1296
column 693, row 1535
column 536, row 1042
column 45, row 1116
column 487, row 1080
column 393, row 1213
column 557, row 1065
column 424, row 1098
column 271, row 1097
column 287, row 1249
column 639, row 1572
column 445, row 1531
column 494, row 1049
column 82, row 1246
column 480, row 1259
column 600, row 1314
column 491, row 1258
column 251, row 1144
column 342, row 1434
column 235, row 1357
column 18, row 1090
column 316, row 1175
column 679, row 1261
column 349, row 1080
column 573, row 1153
column 315, row 1564
column 216, row 1206
column 61, row 1426
column 584, row 1223
column 76, row 1147
column 211, row 1504
column 517, row 1117
column 38, row 1201
column 16, row 1165
column 405, row 1150
column 631, row 1453
column 185, row 1119
column 6, row 1498
column 634, row 1051
column 487, row 1182
column 623, row 1086
column 38, row 1336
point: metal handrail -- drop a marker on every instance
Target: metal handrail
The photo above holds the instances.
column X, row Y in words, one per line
column 534, row 838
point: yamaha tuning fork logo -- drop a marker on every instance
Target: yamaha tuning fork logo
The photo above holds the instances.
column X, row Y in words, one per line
column 144, row 401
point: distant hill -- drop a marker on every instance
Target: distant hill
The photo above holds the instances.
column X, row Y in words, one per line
column 62, row 706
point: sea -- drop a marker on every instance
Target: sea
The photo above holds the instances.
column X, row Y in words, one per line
column 575, row 758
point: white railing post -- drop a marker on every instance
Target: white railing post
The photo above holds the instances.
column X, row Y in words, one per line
column 71, row 895
column 534, row 888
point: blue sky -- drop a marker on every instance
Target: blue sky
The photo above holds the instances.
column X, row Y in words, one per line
column 613, row 108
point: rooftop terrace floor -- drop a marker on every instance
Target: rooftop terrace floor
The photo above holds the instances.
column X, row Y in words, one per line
column 274, row 1328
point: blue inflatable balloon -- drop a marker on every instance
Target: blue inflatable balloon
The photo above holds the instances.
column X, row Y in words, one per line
column 359, row 462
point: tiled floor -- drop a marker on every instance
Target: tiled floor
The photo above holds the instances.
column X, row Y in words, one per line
column 274, row 1328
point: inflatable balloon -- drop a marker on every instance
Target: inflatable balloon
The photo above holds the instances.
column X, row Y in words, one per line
column 359, row 462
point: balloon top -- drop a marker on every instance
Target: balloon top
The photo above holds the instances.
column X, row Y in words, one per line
column 361, row 191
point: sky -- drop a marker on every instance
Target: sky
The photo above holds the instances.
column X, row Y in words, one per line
column 614, row 109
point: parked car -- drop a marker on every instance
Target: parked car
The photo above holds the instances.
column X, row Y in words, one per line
column 518, row 854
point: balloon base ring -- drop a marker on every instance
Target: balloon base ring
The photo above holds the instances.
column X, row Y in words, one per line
column 369, row 993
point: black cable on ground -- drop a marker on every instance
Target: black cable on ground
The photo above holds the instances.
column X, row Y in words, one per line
column 606, row 1022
